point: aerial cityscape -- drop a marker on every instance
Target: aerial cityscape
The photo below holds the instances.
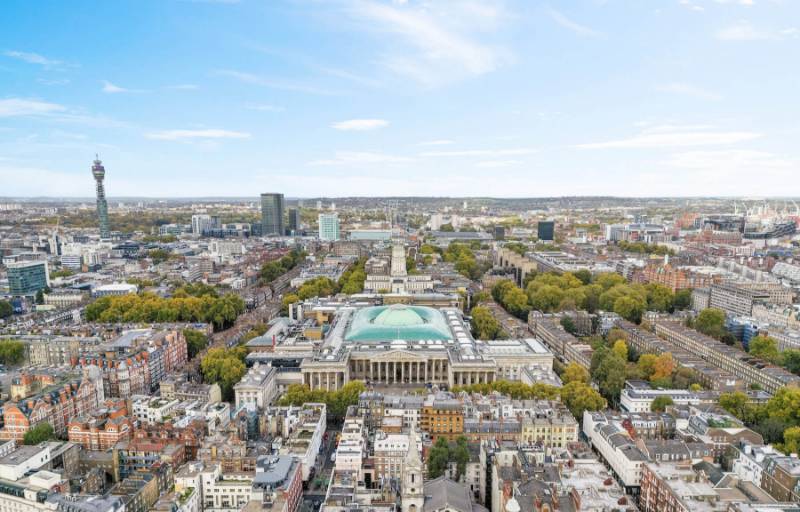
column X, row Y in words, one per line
column 399, row 256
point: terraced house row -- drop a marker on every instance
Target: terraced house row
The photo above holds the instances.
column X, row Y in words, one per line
column 751, row 370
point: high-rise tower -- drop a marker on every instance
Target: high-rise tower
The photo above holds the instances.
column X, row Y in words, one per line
column 272, row 215
column 99, row 173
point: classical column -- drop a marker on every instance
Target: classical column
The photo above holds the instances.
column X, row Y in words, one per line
column 402, row 372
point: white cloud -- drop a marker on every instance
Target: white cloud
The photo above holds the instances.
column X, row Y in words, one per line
column 498, row 163
column 360, row 125
column 360, row 158
column 440, row 142
column 209, row 133
column 18, row 107
column 439, row 41
column 261, row 107
column 110, row 88
column 688, row 90
column 58, row 81
column 745, row 31
column 32, row 58
column 674, row 136
column 569, row 24
column 250, row 78
column 480, row 152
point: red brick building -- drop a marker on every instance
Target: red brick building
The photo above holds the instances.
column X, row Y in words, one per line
column 57, row 406
column 103, row 430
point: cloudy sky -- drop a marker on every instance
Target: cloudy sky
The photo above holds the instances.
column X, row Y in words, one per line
column 368, row 97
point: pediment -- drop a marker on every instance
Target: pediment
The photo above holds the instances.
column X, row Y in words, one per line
column 398, row 355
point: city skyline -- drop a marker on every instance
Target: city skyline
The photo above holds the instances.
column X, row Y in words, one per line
column 361, row 98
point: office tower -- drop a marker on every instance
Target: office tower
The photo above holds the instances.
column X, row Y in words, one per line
column 99, row 173
column 272, row 215
column 25, row 278
column 499, row 233
column 546, row 230
column 329, row 227
column 294, row 221
column 319, row 205
column 200, row 223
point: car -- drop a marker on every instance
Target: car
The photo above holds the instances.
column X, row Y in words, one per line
column 333, row 457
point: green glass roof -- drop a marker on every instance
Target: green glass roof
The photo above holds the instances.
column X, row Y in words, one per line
column 398, row 322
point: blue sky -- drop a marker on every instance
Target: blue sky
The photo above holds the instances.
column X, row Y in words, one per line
column 368, row 97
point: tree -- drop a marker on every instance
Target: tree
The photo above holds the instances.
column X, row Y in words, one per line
column 568, row 324
column 659, row 297
column 6, row 310
column 660, row 404
column 610, row 375
column 516, row 302
column 39, row 433
column 579, row 397
column 484, row 325
column 39, row 297
column 711, row 321
column 575, row 373
column 766, row 348
column 736, row 403
column 615, row 334
column 224, row 367
column 12, row 352
column 460, row 454
column 196, row 341
column 682, row 300
column 663, row 367
column 620, row 348
column 791, row 360
column 629, row 308
column 584, row 275
column 791, row 440
column 608, row 280
column 785, row 405
column 438, row 458
column 546, row 298
column 158, row 255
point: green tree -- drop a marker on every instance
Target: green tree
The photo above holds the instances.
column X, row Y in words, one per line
column 659, row 297
column 791, row 440
column 791, row 360
column 736, row 403
column 647, row 365
column 516, row 302
column 546, row 298
column 224, row 367
column 12, row 352
column 39, row 297
column 484, row 325
column 5, row 309
column 682, row 300
column 568, row 324
column 620, row 348
column 158, row 255
column 584, row 275
column 766, row 348
column 459, row 453
column 660, row 404
column 438, row 458
column 579, row 397
column 608, row 280
column 39, row 433
column 575, row 373
column 711, row 321
column 629, row 308
column 196, row 341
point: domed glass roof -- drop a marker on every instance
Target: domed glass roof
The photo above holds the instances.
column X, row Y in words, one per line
column 398, row 322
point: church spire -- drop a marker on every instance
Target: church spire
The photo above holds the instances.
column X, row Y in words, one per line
column 413, row 459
